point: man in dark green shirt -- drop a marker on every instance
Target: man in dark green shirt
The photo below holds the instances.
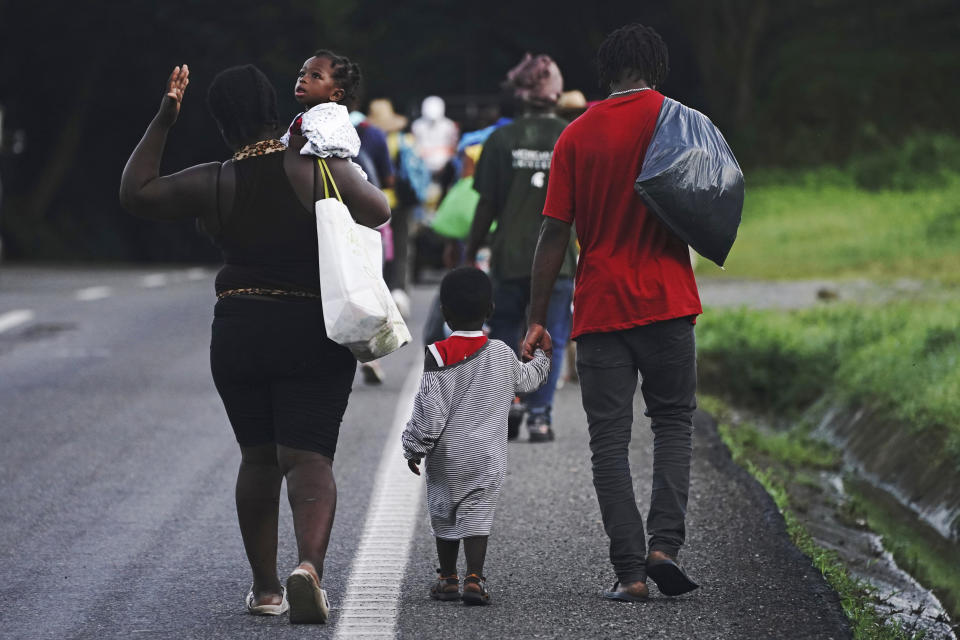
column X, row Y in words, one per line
column 511, row 178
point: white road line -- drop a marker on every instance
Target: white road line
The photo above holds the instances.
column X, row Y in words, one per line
column 197, row 273
column 11, row 319
column 154, row 280
column 93, row 293
column 369, row 608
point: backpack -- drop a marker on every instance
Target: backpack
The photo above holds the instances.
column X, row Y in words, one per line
column 413, row 177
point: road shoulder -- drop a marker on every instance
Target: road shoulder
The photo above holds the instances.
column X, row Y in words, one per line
column 547, row 562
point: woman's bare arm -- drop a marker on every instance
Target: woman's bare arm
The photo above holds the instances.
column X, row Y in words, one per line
column 187, row 194
column 367, row 204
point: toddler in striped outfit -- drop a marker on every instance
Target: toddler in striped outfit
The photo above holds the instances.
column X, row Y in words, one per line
column 459, row 425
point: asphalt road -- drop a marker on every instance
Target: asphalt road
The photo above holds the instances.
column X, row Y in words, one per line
column 117, row 521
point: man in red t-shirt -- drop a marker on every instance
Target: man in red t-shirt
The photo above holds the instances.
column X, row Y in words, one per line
column 634, row 306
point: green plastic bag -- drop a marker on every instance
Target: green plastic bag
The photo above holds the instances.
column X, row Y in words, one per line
column 455, row 214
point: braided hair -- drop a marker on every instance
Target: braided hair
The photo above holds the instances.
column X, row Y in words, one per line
column 346, row 74
column 243, row 102
column 636, row 50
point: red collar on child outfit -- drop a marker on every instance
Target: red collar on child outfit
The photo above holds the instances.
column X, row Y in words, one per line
column 459, row 346
column 296, row 128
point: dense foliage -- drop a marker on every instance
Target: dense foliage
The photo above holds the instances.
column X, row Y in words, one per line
column 792, row 84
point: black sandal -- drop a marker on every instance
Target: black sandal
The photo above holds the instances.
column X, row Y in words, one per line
column 616, row 593
column 446, row 587
column 670, row 577
column 474, row 592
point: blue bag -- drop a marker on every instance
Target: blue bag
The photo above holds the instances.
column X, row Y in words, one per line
column 413, row 177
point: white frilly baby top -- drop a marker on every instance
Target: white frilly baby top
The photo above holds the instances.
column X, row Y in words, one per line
column 328, row 131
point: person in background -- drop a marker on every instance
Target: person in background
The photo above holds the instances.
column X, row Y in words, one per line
column 511, row 178
column 455, row 213
column 283, row 382
column 571, row 105
column 459, row 424
column 373, row 142
column 373, row 147
column 505, row 111
column 636, row 303
column 404, row 196
column 435, row 136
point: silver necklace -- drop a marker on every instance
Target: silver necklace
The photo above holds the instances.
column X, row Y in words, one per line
column 626, row 91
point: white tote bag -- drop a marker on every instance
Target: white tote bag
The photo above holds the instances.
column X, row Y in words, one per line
column 358, row 310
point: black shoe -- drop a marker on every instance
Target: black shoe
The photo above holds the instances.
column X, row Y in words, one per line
column 540, row 429
column 634, row 592
column 372, row 373
column 474, row 593
column 669, row 576
column 515, row 419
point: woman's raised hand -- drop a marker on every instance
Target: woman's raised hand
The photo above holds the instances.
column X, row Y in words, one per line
column 176, row 87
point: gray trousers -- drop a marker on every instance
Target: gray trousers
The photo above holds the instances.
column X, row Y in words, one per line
column 664, row 354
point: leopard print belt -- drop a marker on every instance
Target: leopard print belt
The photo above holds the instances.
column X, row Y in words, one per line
column 256, row 291
column 261, row 148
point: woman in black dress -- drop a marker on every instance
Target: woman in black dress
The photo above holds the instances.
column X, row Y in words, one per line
column 284, row 384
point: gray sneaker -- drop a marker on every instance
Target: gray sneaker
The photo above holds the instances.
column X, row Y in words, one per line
column 539, row 427
column 515, row 419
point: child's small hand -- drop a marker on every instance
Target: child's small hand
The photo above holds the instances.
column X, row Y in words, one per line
column 537, row 338
column 546, row 343
column 412, row 464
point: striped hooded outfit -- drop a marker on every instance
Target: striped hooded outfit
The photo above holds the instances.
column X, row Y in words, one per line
column 459, row 425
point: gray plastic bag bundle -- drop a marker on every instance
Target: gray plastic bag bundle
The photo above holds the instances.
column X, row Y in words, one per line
column 692, row 182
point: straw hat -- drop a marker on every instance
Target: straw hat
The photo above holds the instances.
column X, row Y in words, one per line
column 382, row 115
column 571, row 104
column 572, row 100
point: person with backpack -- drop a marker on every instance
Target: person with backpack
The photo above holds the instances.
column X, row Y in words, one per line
column 512, row 177
column 411, row 179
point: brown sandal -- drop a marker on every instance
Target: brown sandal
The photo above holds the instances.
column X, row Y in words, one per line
column 474, row 592
column 446, row 587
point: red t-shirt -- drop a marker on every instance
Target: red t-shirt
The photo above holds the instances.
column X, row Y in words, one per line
column 633, row 270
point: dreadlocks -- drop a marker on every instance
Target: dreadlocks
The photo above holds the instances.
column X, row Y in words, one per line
column 345, row 73
column 243, row 102
column 636, row 50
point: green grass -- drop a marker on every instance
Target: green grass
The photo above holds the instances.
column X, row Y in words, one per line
column 792, row 450
column 824, row 226
column 885, row 217
column 901, row 359
column 767, row 457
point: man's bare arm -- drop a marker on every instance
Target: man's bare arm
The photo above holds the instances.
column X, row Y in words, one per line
column 551, row 250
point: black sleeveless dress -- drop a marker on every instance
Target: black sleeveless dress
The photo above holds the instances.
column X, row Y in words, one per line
column 280, row 378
